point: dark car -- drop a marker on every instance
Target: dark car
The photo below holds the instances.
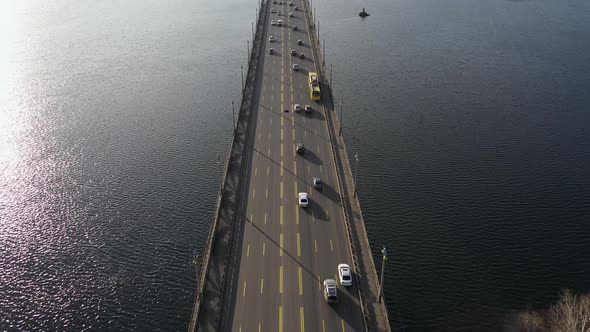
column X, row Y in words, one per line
column 300, row 148
column 293, row 52
column 299, row 42
column 302, row 56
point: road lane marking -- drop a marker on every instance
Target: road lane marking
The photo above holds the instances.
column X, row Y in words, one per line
column 282, row 168
column 331, row 246
column 343, row 330
column 281, row 186
column 270, row 123
column 281, row 214
column 296, row 192
column 261, row 285
column 259, row 133
column 280, row 318
column 281, row 280
column 252, row 218
column 244, row 292
column 281, row 135
column 315, row 242
column 265, row 218
column 248, row 251
column 266, row 192
column 259, row 327
column 312, row 216
column 308, row 168
column 302, row 319
column 298, row 245
column 269, row 136
column 293, row 133
column 255, row 171
column 320, row 168
column 281, row 244
column 300, row 281
column 268, row 169
column 297, row 216
column 282, row 120
column 269, row 151
column 253, row 193
column 305, row 133
column 282, row 145
column 319, row 282
column 318, row 149
column 295, row 167
column 323, row 326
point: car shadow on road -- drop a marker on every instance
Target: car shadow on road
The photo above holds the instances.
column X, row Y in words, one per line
column 348, row 306
column 317, row 211
column 312, row 157
column 331, row 193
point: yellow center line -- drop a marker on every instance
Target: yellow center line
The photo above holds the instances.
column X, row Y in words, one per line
column 318, row 149
column 263, row 248
column 295, row 167
column 282, row 120
column 270, row 122
column 253, row 193
column 268, row 169
column 281, row 214
column 298, row 244
column 323, row 326
column 255, row 171
column 248, row 251
column 300, row 281
column 331, row 246
column 343, row 330
column 261, row 285
column 312, row 216
column 281, row 280
column 269, row 135
column 282, row 168
column 244, row 292
column 296, row 192
column 315, row 242
column 302, row 319
column 268, row 151
column 266, row 192
column 297, row 216
column 280, row 318
column 293, row 132
column 320, row 168
column 281, row 134
column 259, row 327
column 281, row 186
column 265, row 218
column 319, row 282
column 282, row 149
column 281, row 244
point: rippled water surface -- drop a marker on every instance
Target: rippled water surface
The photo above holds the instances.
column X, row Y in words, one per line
column 470, row 119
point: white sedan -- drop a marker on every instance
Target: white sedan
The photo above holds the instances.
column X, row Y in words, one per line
column 271, row 39
column 303, row 201
column 345, row 275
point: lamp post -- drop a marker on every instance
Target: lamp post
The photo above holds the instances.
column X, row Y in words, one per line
column 340, row 130
column 384, row 252
column 198, row 279
column 233, row 114
column 242, row 70
column 219, row 166
column 356, row 163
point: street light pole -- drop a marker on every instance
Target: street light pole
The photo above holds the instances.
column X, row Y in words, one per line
column 384, row 252
column 219, row 166
column 356, row 163
column 242, row 70
column 340, row 130
column 233, row 112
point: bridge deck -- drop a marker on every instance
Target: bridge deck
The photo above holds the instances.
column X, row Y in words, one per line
column 280, row 253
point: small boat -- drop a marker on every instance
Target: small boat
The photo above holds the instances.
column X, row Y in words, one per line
column 364, row 13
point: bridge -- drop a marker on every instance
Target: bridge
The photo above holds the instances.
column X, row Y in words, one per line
column 266, row 256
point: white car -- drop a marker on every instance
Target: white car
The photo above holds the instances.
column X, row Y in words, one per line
column 280, row 22
column 297, row 108
column 303, row 201
column 271, row 39
column 272, row 10
column 295, row 67
column 307, row 108
column 273, row 22
column 344, row 274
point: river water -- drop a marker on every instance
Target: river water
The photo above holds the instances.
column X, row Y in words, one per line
column 470, row 121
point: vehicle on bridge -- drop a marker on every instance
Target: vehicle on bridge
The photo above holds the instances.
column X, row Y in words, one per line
column 330, row 291
column 345, row 275
column 303, row 201
column 314, row 86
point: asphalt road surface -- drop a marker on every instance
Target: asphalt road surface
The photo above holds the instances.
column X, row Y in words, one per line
column 286, row 250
